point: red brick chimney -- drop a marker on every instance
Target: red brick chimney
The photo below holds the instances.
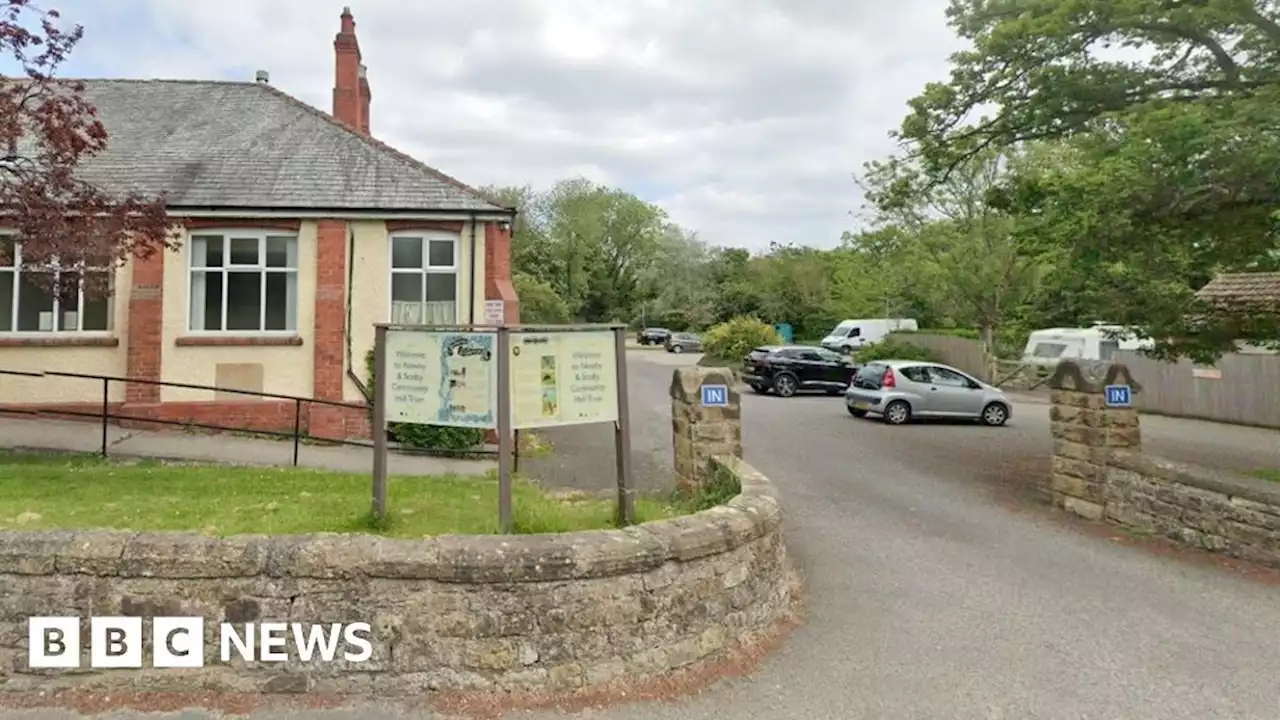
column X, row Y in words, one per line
column 350, row 87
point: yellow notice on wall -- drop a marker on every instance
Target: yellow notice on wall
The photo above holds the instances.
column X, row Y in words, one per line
column 563, row 378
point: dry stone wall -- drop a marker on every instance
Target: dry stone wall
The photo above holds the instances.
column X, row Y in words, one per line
column 450, row 613
column 1100, row 472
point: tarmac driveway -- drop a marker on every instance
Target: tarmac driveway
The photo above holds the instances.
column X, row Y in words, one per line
column 929, row 599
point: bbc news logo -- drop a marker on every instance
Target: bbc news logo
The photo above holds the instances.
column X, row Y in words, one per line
column 179, row 642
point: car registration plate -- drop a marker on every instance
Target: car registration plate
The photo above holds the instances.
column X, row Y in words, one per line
column 862, row 405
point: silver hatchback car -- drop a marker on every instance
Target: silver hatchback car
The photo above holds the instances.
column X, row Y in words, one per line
column 899, row 390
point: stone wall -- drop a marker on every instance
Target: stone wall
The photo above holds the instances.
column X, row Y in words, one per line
column 1099, row 472
column 1210, row 509
column 449, row 613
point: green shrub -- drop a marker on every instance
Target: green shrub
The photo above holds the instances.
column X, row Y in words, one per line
column 425, row 437
column 731, row 341
column 896, row 349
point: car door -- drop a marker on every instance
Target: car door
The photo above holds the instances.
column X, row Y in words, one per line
column 808, row 366
column 953, row 392
column 917, row 385
column 837, row 369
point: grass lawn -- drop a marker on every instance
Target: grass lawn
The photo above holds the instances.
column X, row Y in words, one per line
column 48, row 491
column 1272, row 475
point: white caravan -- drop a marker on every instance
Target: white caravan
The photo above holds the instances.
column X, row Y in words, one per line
column 1100, row 342
column 853, row 334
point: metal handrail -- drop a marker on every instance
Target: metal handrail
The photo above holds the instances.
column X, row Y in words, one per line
column 297, row 435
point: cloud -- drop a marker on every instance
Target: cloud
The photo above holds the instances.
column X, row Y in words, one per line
column 743, row 118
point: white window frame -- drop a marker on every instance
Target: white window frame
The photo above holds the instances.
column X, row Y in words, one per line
column 261, row 236
column 427, row 236
column 16, row 271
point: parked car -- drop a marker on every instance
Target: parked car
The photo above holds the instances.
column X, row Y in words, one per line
column 653, row 336
column 683, row 342
column 788, row 369
column 900, row 390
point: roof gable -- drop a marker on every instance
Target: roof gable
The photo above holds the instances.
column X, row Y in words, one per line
column 215, row 144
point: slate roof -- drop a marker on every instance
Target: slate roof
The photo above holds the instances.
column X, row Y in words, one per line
column 216, row 144
column 1260, row 290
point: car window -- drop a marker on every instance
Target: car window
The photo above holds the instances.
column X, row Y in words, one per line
column 810, row 355
column 1107, row 349
column 828, row 356
column 870, row 376
column 950, row 378
column 916, row 373
column 855, row 332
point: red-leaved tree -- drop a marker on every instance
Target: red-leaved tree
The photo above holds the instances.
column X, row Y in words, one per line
column 47, row 130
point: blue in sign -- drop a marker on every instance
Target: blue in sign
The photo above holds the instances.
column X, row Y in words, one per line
column 1119, row 396
column 715, row 395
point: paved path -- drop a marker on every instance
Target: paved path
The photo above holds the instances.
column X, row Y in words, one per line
column 87, row 437
column 928, row 599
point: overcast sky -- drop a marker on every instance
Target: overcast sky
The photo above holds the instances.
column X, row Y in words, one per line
column 745, row 119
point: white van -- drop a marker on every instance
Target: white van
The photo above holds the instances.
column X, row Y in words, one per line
column 853, row 334
column 1101, row 342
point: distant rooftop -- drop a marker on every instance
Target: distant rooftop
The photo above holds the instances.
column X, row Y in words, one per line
column 1253, row 289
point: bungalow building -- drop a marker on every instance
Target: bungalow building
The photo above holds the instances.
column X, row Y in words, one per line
column 302, row 232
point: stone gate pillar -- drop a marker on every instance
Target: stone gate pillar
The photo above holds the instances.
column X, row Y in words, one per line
column 1086, row 431
column 701, row 431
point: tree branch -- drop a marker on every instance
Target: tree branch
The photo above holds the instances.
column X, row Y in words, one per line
column 1263, row 23
column 1230, row 68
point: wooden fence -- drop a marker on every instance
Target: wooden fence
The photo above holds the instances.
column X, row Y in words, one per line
column 962, row 353
column 1243, row 389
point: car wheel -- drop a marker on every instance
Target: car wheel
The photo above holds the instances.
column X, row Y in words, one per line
column 785, row 385
column 897, row 412
column 677, row 349
column 856, row 412
column 847, row 349
column 995, row 414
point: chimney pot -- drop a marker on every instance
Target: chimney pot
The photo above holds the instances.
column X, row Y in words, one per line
column 263, row 76
column 346, row 10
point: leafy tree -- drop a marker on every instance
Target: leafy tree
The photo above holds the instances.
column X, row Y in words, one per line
column 593, row 246
column 1167, row 163
column 1051, row 68
column 539, row 304
column 675, row 287
column 737, row 293
column 47, row 130
column 972, row 252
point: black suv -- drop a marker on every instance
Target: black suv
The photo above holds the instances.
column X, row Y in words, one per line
column 789, row 369
column 653, row 336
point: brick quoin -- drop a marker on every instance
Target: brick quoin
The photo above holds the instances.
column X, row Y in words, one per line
column 146, row 320
column 497, row 271
column 330, row 335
